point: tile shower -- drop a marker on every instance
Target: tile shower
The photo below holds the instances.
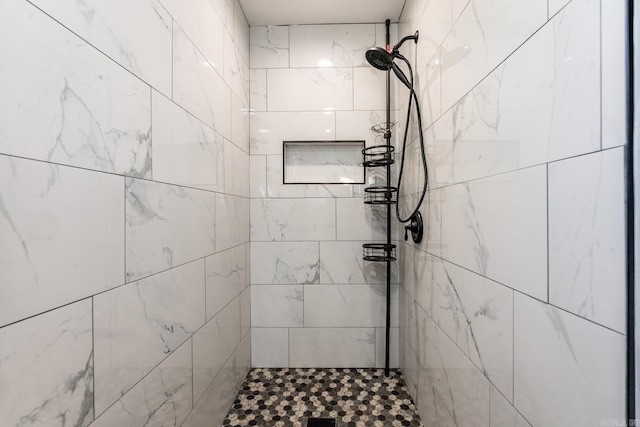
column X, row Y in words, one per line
column 124, row 195
column 133, row 218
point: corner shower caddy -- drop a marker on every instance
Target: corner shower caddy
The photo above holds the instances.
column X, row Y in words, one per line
column 382, row 156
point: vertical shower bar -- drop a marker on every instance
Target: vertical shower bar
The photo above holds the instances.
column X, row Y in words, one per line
column 387, row 136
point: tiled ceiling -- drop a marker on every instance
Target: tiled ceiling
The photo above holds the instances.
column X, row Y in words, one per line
column 288, row 12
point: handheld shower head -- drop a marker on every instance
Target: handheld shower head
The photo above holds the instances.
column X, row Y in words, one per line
column 379, row 58
column 382, row 59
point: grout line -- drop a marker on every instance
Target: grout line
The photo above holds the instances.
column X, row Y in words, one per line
column 548, row 239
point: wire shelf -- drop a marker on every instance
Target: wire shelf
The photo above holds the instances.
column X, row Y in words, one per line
column 382, row 127
column 380, row 252
column 380, row 195
column 378, row 155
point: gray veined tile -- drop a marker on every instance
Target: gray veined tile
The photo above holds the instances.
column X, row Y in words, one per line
column 163, row 397
column 293, row 219
column 587, row 237
column 47, row 364
column 330, row 45
column 138, row 324
column 86, row 111
column 496, row 226
column 166, row 226
column 226, row 278
column 198, row 87
column 270, row 347
column 269, row 47
column 213, row 344
column 61, row 233
column 103, row 24
column 280, row 306
column 326, row 89
column 568, row 370
column 185, row 150
column 316, row 347
column 285, row 263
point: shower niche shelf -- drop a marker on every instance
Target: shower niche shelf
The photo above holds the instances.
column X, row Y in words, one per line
column 380, row 252
column 380, row 195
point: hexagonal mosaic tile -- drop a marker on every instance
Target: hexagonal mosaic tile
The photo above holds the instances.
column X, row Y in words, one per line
column 353, row 397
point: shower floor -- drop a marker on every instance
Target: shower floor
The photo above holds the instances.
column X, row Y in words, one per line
column 353, row 397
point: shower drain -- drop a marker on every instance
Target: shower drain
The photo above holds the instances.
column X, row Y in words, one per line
column 321, row 422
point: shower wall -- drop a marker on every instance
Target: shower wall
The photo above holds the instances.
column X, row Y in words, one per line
column 513, row 308
column 124, row 212
column 316, row 303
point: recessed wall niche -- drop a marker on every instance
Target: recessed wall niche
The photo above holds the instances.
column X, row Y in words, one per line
column 323, row 162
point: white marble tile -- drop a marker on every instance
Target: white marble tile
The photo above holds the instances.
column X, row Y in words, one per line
column 258, row 176
column 410, row 370
column 61, row 233
column 341, row 262
column 496, row 227
column 232, row 221
column 557, row 70
column 568, row 371
column 201, row 22
column 270, row 347
column 258, row 90
column 502, row 413
column 226, row 277
column 356, row 125
column 214, row 404
column 285, row 263
column 587, row 237
column 352, row 306
column 68, row 103
column 245, row 312
column 114, row 30
column 431, row 408
column 268, row 129
column 269, row 47
column 420, row 273
column 275, row 187
column 309, row 89
column 477, row 314
column 614, row 80
column 240, row 124
column 369, row 89
column 236, row 70
column 394, row 347
column 358, row 221
column 164, row 397
column 236, row 170
column 316, row 347
column 330, row 45
column 241, row 35
column 279, row 306
column 483, row 36
column 213, row 344
column 185, row 151
column 137, row 325
column 243, row 360
column 225, row 9
column 46, row 369
column 293, row 219
column 198, row 87
column 166, row 225
column 556, row 5
column 462, row 387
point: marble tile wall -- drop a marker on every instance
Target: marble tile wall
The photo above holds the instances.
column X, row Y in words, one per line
column 124, row 212
column 315, row 302
column 512, row 311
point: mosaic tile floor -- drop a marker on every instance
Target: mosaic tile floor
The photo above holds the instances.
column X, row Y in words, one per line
column 353, row 397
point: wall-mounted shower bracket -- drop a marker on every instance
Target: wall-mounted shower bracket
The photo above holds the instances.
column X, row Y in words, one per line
column 416, row 228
